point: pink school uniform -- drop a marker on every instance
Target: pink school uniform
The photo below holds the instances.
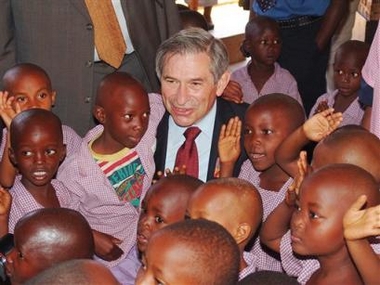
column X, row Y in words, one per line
column 302, row 268
column 280, row 82
column 94, row 196
column 251, row 261
column 371, row 74
column 353, row 114
column 271, row 200
column 23, row 202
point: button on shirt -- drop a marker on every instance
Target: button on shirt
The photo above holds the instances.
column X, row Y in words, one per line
column 203, row 141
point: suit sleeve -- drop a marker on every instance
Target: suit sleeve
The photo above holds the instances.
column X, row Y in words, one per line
column 7, row 38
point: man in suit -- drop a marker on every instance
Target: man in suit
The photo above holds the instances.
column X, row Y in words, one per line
column 58, row 35
column 193, row 70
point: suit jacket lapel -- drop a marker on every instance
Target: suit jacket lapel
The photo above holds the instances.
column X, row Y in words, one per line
column 162, row 142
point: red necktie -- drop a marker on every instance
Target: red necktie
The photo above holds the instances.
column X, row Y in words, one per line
column 187, row 154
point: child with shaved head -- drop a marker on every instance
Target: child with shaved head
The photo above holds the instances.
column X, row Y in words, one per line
column 37, row 150
column 190, row 252
column 27, row 86
column 114, row 166
column 46, row 237
column 236, row 205
column 164, row 204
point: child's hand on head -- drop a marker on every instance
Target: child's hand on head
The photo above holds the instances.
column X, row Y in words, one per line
column 5, row 202
column 233, row 92
column 7, row 112
column 106, row 246
column 361, row 223
column 322, row 124
column 229, row 141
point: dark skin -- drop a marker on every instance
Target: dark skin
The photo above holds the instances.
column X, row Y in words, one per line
column 349, row 61
column 35, row 250
column 37, row 150
column 263, row 44
column 330, row 21
column 122, row 107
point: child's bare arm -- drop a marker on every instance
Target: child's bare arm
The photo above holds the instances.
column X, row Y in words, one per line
column 106, row 246
column 314, row 129
column 5, row 207
column 7, row 113
column 229, row 146
column 233, row 92
column 277, row 223
column 358, row 226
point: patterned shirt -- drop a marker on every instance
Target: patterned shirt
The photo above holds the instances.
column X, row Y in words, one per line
column 353, row 115
column 23, row 202
column 280, row 82
column 270, row 199
column 251, row 261
column 125, row 173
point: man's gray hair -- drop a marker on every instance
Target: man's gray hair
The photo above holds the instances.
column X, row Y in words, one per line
column 193, row 41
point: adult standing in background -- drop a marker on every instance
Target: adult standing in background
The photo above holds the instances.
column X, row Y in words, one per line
column 306, row 29
column 58, row 35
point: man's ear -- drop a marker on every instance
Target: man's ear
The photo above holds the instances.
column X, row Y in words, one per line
column 222, row 83
column 243, row 232
column 99, row 114
column 12, row 157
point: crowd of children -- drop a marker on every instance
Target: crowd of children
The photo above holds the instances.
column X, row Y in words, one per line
column 68, row 200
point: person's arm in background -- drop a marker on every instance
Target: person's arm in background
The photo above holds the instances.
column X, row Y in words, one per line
column 331, row 19
column 7, row 38
column 366, row 100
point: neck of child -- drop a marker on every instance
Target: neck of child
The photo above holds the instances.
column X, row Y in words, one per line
column 336, row 269
column 45, row 194
column 342, row 102
column 104, row 145
column 273, row 178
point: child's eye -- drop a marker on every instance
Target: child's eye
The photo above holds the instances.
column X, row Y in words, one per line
column 51, row 151
column 297, row 207
column 128, row 116
column 267, row 132
column 20, row 99
column 20, row 255
column 276, row 42
column 355, row 74
column 158, row 219
column 247, row 132
column 146, row 115
column 340, row 72
column 26, row 153
column 313, row 215
column 42, row 95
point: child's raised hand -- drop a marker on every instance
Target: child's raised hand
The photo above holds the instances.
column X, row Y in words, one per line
column 359, row 224
column 5, row 202
column 322, row 124
column 229, row 141
column 176, row 171
column 233, row 92
column 7, row 113
column 293, row 190
column 106, row 246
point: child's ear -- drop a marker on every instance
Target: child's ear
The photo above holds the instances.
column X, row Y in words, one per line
column 53, row 94
column 99, row 114
column 12, row 157
column 63, row 153
column 242, row 233
column 245, row 48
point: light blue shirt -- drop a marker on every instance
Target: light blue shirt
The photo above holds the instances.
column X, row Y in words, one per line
column 203, row 141
column 286, row 9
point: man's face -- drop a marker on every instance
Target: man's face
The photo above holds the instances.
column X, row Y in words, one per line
column 188, row 87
